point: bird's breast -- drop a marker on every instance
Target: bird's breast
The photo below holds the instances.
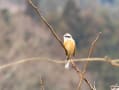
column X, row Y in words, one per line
column 70, row 46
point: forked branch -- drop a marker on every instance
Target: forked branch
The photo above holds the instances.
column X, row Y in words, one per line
column 93, row 44
column 89, row 55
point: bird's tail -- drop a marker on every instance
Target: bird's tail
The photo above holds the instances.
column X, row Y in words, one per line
column 67, row 65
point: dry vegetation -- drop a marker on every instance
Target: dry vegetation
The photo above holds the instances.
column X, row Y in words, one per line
column 24, row 42
column 18, row 41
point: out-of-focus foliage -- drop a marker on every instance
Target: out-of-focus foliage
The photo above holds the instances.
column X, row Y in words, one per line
column 23, row 36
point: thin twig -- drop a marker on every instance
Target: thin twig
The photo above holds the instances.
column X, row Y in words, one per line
column 75, row 67
column 91, row 50
column 42, row 83
column 90, row 86
column 46, row 23
column 89, row 55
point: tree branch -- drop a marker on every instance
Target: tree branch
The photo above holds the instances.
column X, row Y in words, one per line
column 113, row 62
column 53, row 32
column 89, row 55
column 42, row 83
column 46, row 23
column 61, row 43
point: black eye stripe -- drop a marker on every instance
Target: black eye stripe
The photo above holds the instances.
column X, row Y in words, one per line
column 68, row 36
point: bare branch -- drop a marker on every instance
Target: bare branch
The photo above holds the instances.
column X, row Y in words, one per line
column 113, row 62
column 89, row 55
column 46, row 23
column 53, row 32
column 75, row 67
column 42, row 83
column 93, row 45
column 91, row 50
column 81, row 74
column 91, row 87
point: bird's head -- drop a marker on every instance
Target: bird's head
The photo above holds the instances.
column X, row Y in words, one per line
column 67, row 36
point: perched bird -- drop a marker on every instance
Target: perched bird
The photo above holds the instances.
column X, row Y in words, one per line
column 69, row 44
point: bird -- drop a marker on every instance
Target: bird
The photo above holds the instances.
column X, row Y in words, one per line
column 69, row 44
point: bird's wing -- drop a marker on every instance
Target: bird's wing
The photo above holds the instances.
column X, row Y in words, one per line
column 74, row 51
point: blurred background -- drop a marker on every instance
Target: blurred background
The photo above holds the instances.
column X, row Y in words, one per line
column 24, row 35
